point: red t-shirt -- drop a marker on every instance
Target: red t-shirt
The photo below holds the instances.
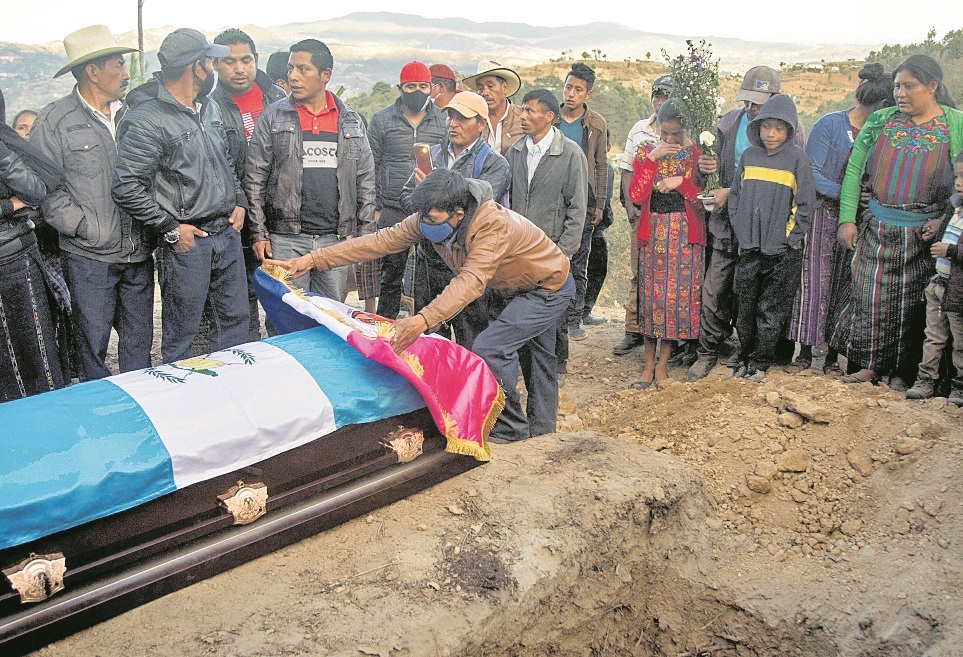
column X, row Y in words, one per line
column 250, row 104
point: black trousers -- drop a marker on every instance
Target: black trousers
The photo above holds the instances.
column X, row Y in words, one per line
column 432, row 276
column 715, row 322
column 598, row 269
column 765, row 288
column 392, row 270
column 579, row 265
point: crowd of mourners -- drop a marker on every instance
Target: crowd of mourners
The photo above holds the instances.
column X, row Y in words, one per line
column 484, row 218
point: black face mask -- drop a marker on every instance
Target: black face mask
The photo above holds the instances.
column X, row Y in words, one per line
column 414, row 101
column 207, row 84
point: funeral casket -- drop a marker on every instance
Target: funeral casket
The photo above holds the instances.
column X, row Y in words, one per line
column 115, row 492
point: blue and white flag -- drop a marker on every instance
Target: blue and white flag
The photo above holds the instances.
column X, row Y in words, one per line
column 85, row 452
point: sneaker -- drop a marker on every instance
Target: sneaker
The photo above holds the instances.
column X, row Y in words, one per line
column 593, row 320
column 701, row 368
column 629, row 342
column 922, row 389
column 756, row 376
column 956, row 397
column 577, row 331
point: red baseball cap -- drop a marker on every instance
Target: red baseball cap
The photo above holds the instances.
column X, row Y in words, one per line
column 414, row 72
column 442, row 71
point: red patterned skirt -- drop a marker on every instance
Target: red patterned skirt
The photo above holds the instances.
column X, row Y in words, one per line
column 670, row 279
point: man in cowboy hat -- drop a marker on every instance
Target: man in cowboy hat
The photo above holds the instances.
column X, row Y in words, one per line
column 496, row 84
column 106, row 256
column 174, row 174
column 443, row 83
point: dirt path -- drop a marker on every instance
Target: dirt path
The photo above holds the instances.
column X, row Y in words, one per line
column 793, row 517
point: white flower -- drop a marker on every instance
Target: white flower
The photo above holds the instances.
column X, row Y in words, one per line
column 707, row 138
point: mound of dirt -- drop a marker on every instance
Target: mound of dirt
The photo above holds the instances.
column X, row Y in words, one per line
column 797, row 517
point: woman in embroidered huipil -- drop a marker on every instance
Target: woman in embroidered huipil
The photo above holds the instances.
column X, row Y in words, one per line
column 671, row 236
column 904, row 156
column 826, row 279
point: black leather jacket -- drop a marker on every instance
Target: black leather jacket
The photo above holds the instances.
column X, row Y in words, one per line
column 392, row 136
column 173, row 166
column 231, row 115
column 16, row 180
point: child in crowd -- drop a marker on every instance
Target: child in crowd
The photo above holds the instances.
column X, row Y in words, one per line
column 770, row 204
column 944, row 302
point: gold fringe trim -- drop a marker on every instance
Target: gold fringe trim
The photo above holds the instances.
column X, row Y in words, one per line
column 281, row 274
column 497, row 406
column 469, row 448
column 455, row 445
column 412, row 362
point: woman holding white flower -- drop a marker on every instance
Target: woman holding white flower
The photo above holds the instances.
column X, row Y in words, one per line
column 672, row 237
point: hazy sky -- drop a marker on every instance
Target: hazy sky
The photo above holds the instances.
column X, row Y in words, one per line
column 812, row 21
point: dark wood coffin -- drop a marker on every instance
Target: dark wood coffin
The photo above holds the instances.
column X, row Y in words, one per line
column 119, row 562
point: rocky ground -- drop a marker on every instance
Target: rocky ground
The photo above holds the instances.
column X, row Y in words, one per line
column 797, row 516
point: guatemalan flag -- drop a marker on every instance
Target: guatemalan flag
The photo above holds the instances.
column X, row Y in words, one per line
column 91, row 450
column 457, row 386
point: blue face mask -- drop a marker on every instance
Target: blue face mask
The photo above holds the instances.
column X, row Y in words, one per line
column 436, row 233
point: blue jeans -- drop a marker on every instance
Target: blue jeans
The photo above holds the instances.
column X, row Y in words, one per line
column 528, row 319
column 105, row 296
column 328, row 284
column 212, row 270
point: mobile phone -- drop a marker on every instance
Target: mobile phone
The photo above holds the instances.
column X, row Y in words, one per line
column 422, row 157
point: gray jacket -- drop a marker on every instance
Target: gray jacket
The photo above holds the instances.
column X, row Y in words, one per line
column 81, row 210
column 272, row 174
column 392, row 136
column 557, row 198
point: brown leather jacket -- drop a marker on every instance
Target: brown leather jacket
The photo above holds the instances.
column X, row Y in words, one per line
column 511, row 128
column 595, row 147
column 494, row 248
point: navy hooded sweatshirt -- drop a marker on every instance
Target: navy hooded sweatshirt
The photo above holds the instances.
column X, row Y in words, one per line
column 772, row 196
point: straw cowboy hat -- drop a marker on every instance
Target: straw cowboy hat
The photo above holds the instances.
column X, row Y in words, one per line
column 89, row 43
column 486, row 67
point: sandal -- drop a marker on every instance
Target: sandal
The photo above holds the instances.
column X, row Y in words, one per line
column 641, row 385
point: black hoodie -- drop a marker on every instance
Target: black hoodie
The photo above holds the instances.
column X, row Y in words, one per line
column 772, row 196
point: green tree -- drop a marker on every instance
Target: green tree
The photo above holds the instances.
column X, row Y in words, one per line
column 381, row 95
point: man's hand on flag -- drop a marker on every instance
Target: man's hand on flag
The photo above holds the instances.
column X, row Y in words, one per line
column 407, row 331
column 295, row 266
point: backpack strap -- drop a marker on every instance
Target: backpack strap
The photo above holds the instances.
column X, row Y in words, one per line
column 480, row 158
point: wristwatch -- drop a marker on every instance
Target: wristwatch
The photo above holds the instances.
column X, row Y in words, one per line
column 173, row 236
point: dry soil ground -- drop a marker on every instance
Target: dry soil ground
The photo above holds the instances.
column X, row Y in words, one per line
column 794, row 517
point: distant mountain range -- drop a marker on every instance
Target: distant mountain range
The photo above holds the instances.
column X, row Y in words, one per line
column 372, row 46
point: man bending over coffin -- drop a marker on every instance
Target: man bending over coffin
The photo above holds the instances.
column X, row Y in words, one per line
column 486, row 245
